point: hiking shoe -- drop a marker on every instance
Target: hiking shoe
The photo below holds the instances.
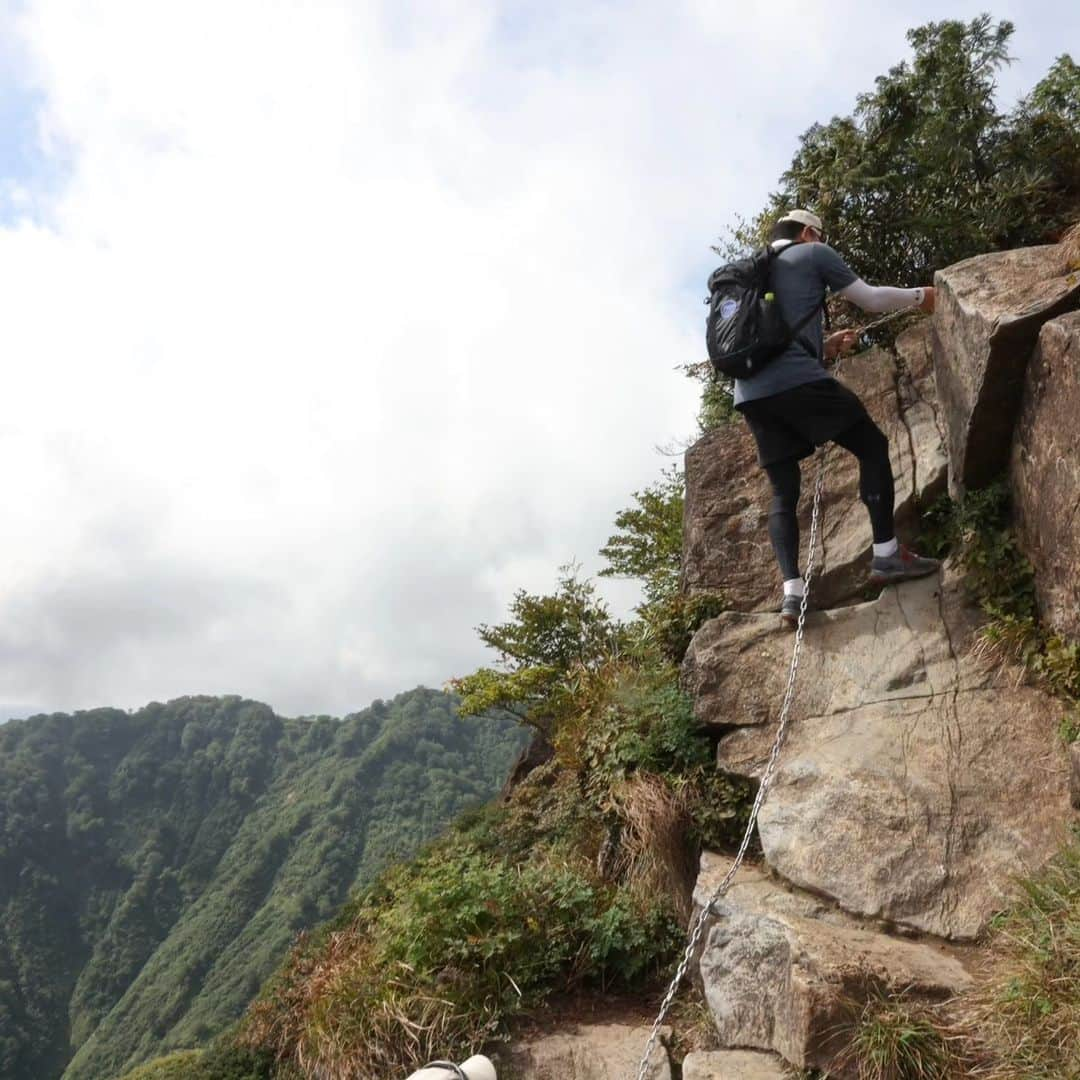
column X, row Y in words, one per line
column 789, row 611
column 902, row 566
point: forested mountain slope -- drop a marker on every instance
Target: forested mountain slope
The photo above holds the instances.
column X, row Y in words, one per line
column 156, row 865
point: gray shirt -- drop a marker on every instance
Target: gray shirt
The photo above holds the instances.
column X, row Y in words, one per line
column 801, row 274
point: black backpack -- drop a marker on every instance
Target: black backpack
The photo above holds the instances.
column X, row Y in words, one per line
column 745, row 330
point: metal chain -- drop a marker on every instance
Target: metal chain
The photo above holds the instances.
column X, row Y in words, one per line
column 766, row 777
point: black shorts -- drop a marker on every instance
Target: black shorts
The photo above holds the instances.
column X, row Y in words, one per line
column 792, row 423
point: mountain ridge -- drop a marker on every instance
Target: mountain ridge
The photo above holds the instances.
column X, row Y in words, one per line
column 156, row 865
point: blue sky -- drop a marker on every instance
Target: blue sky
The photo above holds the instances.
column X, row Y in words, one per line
column 330, row 325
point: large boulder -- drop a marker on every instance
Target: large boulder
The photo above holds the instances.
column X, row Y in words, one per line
column 726, row 546
column 591, row 1052
column 1046, row 473
column 783, row 971
column 988, row 315
column 915, row 784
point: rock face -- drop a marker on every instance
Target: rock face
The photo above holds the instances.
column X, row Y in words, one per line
column 591, row 1052
column 726, row 545
column 988, row 314
column 904, row 790
column 1046, row 473
column 781, row 969
column 733, row 1065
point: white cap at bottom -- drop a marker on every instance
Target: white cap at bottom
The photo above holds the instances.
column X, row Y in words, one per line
column 476, row 1068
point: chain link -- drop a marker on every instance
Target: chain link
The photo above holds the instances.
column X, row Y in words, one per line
column 702, row 918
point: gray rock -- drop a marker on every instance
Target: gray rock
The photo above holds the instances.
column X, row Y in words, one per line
column 591, row 1052
column 726, row 547
column 907, row 787
column 734, row 1065
column 783, row 972
column 1046, row 473
column 988, row 314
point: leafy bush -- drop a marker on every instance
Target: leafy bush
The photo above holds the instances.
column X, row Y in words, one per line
column 978, row 532
column 927, row 171
column 223, row 1061
column 436, row 956
column 183, row 1065
column 999, row 577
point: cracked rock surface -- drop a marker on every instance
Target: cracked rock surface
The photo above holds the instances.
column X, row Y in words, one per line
column 726, row 546
column 1046, row 473
column 987, row 318
column 914, row 784
column 782, row 970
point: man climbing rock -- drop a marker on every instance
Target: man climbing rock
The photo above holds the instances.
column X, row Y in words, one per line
column 794, row 405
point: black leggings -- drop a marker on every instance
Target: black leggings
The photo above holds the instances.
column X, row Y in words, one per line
column 870, row 446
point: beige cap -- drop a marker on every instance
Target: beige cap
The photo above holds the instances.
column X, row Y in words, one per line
column 803, row 217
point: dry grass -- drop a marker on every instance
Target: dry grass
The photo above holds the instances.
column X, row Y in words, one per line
column 1004, row 647
column 654, row 852
column 327, row 1023
column 1070, row 247
column 1025, row 1015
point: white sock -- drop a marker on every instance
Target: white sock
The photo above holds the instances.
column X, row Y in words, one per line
column 883, row 551
column 794, row 587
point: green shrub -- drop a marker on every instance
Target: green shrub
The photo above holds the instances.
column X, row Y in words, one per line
column 440, row 953
column 997, row 575
column 183, row 1065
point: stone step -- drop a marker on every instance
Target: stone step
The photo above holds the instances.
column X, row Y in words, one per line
column 782, row 970
column 734, row 1065
column 915, row 785
column 591, row 1052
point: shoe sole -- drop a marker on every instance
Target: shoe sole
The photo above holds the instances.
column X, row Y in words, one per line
column 879, row 578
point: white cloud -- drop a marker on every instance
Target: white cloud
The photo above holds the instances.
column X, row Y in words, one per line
column 349, row 320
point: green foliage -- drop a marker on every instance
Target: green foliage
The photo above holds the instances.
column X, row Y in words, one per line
column 156, row 866
column 717, row 396
column 643, row 723
column 183, row 1065
column 222, row 1061
column 978, row 531
column 998, row 576
column 648, row 544
column 927, row 171
column 896, row 1037
column 648, row 547
column 581, row 877
column 667, row 626
column 547, row 646
column 440, row 952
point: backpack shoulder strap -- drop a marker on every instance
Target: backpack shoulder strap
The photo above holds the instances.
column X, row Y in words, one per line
column 801, row 325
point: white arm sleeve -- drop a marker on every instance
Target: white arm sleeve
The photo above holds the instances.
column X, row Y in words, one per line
column 875, row 298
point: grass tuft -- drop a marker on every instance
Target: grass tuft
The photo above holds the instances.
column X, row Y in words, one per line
column 896, row 1037
column 1025, row 1016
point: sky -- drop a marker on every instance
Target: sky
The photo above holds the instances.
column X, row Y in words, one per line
column 325, row 327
